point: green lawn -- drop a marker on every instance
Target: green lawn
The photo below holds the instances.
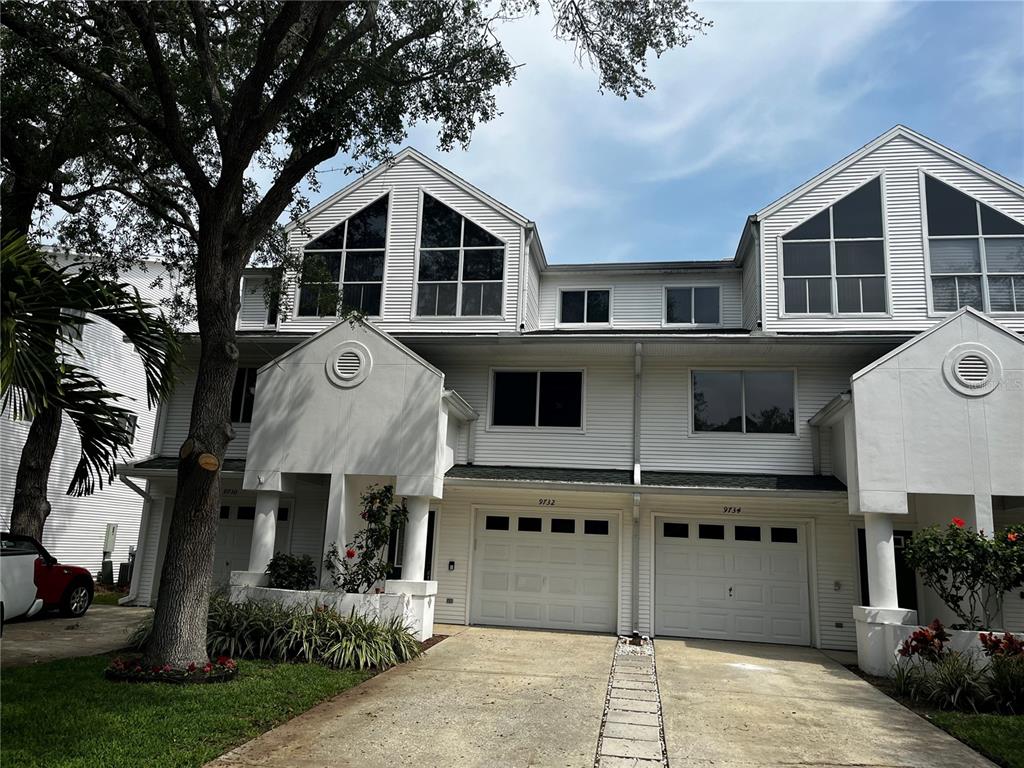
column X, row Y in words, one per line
column 65, row 713
column 999, row 737
column 107, row 598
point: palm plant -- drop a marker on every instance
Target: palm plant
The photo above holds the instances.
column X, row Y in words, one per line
column 43, row 312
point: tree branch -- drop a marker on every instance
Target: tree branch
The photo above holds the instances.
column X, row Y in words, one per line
column 207, row 67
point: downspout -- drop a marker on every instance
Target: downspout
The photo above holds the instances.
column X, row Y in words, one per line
column 470, row 439
column 637, row 477
column 147, row 501
column 524, row 278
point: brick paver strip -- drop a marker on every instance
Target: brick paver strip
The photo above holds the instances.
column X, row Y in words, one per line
column 632, row 732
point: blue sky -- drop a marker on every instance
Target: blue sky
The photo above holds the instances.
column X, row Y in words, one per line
column 774, row 93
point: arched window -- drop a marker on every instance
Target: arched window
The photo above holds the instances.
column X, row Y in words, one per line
column 975, row 253
column 834, row 263
column 344, row 267
column 461, row 266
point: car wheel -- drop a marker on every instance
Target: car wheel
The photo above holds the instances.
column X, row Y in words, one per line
column 76, row 600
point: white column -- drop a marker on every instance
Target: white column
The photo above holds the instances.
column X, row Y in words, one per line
column 414, row 556
column 335, row 527
column 264, row 530
column 983, row 520
column 881, row 557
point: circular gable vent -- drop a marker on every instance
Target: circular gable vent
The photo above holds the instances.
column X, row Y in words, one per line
column 972, row 369
column 349, row 364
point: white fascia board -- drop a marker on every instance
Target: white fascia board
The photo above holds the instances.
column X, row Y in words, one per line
column 458, row 406
column 410, row 154
column 925, row 334
column 871, row 146
column 659, row 490
column 832, row 411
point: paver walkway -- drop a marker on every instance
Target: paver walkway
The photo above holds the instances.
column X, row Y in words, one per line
column 631, row 733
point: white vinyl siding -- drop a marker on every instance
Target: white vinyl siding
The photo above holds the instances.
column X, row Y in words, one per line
column 901, row 160
column 405, row 181
column 638, row 301
column 253, row 312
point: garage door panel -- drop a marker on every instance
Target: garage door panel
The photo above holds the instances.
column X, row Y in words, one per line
column 528, row 582
column 561, row 585
column 562, row 614
column 743, row 586
column 494, row 610
column 529, row 553
column 528, row 611
column 497, row 582
column 497, row 552
column 563, row 555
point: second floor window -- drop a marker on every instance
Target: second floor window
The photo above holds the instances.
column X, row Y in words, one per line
column 695, row 305
column 834, row 263
column 243, row 395
column 585, row 306
column 537, row 399
column 461, row 265
column 744, row 401
column 344, row 267
column 975, row 253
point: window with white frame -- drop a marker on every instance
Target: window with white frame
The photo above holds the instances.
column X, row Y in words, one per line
column 834, row 263
column 461, row 266
column 693, row 305
column 744, row 401
column 585, row 306
column 975, row 253
column 343, row 269
column 537, row 399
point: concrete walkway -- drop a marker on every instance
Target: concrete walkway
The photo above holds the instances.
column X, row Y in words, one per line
column 48, row 636
column 483, row 697
column 741, row 705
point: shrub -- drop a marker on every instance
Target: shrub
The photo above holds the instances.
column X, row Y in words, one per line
column 955, row 681
column 1005, row 682
column 929, row 642
column 364, row 562
column 291, row 571
column 969, row 571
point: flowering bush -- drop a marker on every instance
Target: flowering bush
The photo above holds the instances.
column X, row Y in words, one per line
column 364, row 562
column 132, row 670
column 969, row 571
column 1006, row 645
column 928, row 643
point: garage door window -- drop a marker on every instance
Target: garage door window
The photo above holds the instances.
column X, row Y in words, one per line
column 677, row 530
column 748, row 533
column 563, row 525
column 247, row 513
column 595, row 527
column 537, row 399
column 707, row 531
column 784, row 536
column 497, row 523
column 530, row 524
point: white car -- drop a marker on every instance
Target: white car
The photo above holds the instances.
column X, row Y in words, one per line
column 17, row 579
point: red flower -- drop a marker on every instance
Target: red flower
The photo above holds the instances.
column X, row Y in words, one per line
column 350, row 553
column 191, row 666
column 959, row 522
column 1011, row 536
column 166, row 668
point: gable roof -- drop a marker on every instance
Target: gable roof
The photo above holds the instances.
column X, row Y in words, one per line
column 871, row 146
column 409, row 153
column 980, row 316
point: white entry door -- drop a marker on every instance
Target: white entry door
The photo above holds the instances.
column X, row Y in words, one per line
column 234, row 539
column 731, row 580
column 546, row 570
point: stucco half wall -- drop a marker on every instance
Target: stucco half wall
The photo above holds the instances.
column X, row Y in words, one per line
column 376, row 412
column 920, row 428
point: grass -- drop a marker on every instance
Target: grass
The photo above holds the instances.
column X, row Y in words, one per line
column 103, row 597
column 66, row 714
column 997, row 737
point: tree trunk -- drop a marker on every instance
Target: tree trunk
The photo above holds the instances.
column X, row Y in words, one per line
column 179, row 625
column 17, row 202
column 31, row 507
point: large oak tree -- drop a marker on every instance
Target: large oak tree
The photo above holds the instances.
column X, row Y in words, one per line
column 221, row 90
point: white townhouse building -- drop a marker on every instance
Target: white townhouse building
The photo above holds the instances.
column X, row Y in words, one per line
column 719, row 449
column 76, row 529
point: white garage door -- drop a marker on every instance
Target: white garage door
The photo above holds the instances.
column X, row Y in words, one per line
column 547, row 570
column 731, row 580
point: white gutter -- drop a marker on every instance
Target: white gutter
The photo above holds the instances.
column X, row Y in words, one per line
column 659, row 490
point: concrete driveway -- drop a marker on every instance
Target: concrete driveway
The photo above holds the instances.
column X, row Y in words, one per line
column 483, row 697
column 739, row 705
column 48, row 636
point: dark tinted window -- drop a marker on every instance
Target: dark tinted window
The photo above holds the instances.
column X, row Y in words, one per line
column 530, row 523
column 769, row 401
column 807, row 259
column 784, row 536
column 815, row 228
column 365, row 267
column 442, row 227
column 705, row 305
column 597, row 306
column 995, row 223
column 561, row 399
column 436, row 299
column 859, row 214
column 572, row 306
column 282, row 515
column 496, row 523
column 483, row 265
column 717, row 405
column 950, row 211
column 679, row 305
column 243, row 395
column 364, row 297
column 439, row 265
column 476, row 237
column 563, row 525
column 596, row 527
column 709, row 531
column 481, row 298
column 860, row 258
column 333, row 238
column 225, row 512
column 247, row 513
column 515, row 399
column 369, row 227
column 676, row 530
column 748, row 533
